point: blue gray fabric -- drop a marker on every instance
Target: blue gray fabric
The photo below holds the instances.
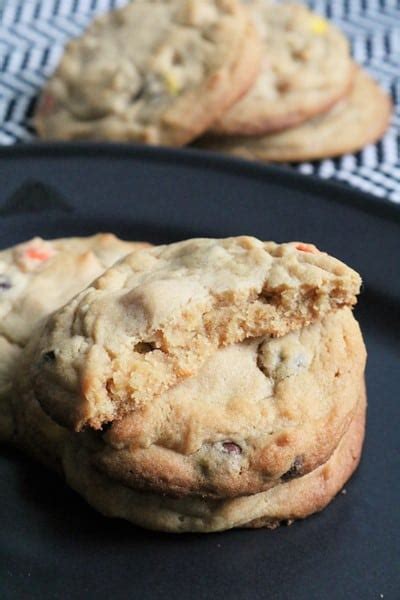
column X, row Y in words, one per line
column 33, row 32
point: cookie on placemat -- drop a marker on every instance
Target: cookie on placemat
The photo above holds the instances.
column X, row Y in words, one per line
column 154, row 318
column 158, row 72
column 307, row 68
column 36, row 278
column 257, row 413
column 357, row 120
column 286, row 501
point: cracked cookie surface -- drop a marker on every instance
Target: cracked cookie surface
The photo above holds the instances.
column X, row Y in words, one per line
column 158, row 72
column 155, row 318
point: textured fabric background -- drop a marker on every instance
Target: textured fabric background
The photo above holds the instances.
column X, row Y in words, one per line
column 33, row 32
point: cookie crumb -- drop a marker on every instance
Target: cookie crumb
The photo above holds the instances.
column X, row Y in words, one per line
column 344, row 491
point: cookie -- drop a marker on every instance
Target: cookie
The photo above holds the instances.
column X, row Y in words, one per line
column 154, row 318
column 285, row 502
column 306, row 69
column 257, row 413
column 9, row 354
column 158, row 72
column 36, row 278
column 356, row 121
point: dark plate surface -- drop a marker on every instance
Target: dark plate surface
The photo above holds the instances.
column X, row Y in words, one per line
column 52, row 545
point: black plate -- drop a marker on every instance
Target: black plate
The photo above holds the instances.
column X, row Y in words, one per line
column 53, row 545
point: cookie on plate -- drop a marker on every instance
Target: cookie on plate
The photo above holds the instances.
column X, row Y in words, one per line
column 154, row 318
column 356, row 121
column 257, row 413
column 158, row 72
column 306, row 69
column 294, row 499
column 36, row 278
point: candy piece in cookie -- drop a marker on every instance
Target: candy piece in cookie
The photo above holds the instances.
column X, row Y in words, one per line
column 33, row 254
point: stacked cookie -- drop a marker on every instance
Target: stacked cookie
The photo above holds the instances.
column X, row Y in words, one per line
column 310, row 100
column 262, row 80
column 201, row 386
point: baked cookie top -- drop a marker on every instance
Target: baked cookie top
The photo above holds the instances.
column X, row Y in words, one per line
column 257, row 413
column 356, row 121
column 39, row 276
column 154, row 71
column 156, row 316
column 306, row 69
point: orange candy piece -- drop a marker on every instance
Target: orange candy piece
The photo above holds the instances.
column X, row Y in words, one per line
column 38, row 254
column 33, row 254
column 307, row 248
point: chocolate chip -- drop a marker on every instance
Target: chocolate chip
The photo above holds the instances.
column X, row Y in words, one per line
column 295, row 470
column 231, row 448
column 144, row 347
column 49, row 357
column 5, row 283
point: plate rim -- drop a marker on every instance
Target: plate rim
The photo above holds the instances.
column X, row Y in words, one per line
column 280, row 174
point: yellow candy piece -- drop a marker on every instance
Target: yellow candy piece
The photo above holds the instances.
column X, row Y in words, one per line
column 171, row 84
column 318, row 25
